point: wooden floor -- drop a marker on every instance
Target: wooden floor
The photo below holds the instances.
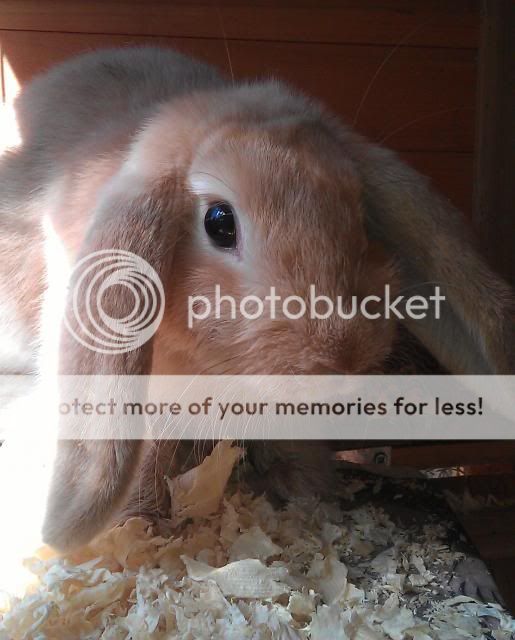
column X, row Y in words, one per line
column 492, row 531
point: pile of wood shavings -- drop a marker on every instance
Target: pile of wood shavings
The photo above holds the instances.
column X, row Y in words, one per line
column 235, row 567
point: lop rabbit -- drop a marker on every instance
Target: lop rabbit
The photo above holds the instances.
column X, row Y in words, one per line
column 246, row 185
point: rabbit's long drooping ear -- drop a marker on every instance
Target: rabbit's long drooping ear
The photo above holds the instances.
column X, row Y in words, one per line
column 91, row 477
column 429, row 239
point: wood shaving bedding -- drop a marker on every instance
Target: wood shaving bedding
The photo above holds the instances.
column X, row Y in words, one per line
column 236, row 567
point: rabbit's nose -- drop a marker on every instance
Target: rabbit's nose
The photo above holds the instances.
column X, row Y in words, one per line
column 344, row 359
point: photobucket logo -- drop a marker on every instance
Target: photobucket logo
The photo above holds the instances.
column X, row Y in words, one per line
column 97, row 280
column 316, row 307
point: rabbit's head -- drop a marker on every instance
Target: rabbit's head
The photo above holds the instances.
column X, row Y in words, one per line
column 250, row 188
column 276, row 209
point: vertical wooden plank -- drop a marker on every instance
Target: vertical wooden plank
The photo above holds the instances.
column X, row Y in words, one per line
column 2, row 80
column 494, row 211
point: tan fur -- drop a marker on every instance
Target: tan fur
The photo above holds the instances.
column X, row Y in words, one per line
column 124, row 149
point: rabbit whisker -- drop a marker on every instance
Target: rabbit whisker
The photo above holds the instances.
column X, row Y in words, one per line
column 389, row 55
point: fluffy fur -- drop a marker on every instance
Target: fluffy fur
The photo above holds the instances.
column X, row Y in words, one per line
column 124, row 149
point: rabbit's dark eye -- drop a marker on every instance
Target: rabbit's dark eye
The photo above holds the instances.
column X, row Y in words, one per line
column 220, row 225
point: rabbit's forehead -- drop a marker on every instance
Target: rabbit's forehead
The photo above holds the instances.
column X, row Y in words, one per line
column 270, row 178
column 288, row 213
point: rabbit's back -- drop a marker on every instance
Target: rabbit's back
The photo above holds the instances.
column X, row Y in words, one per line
column 84, row 108
column 100, row 92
